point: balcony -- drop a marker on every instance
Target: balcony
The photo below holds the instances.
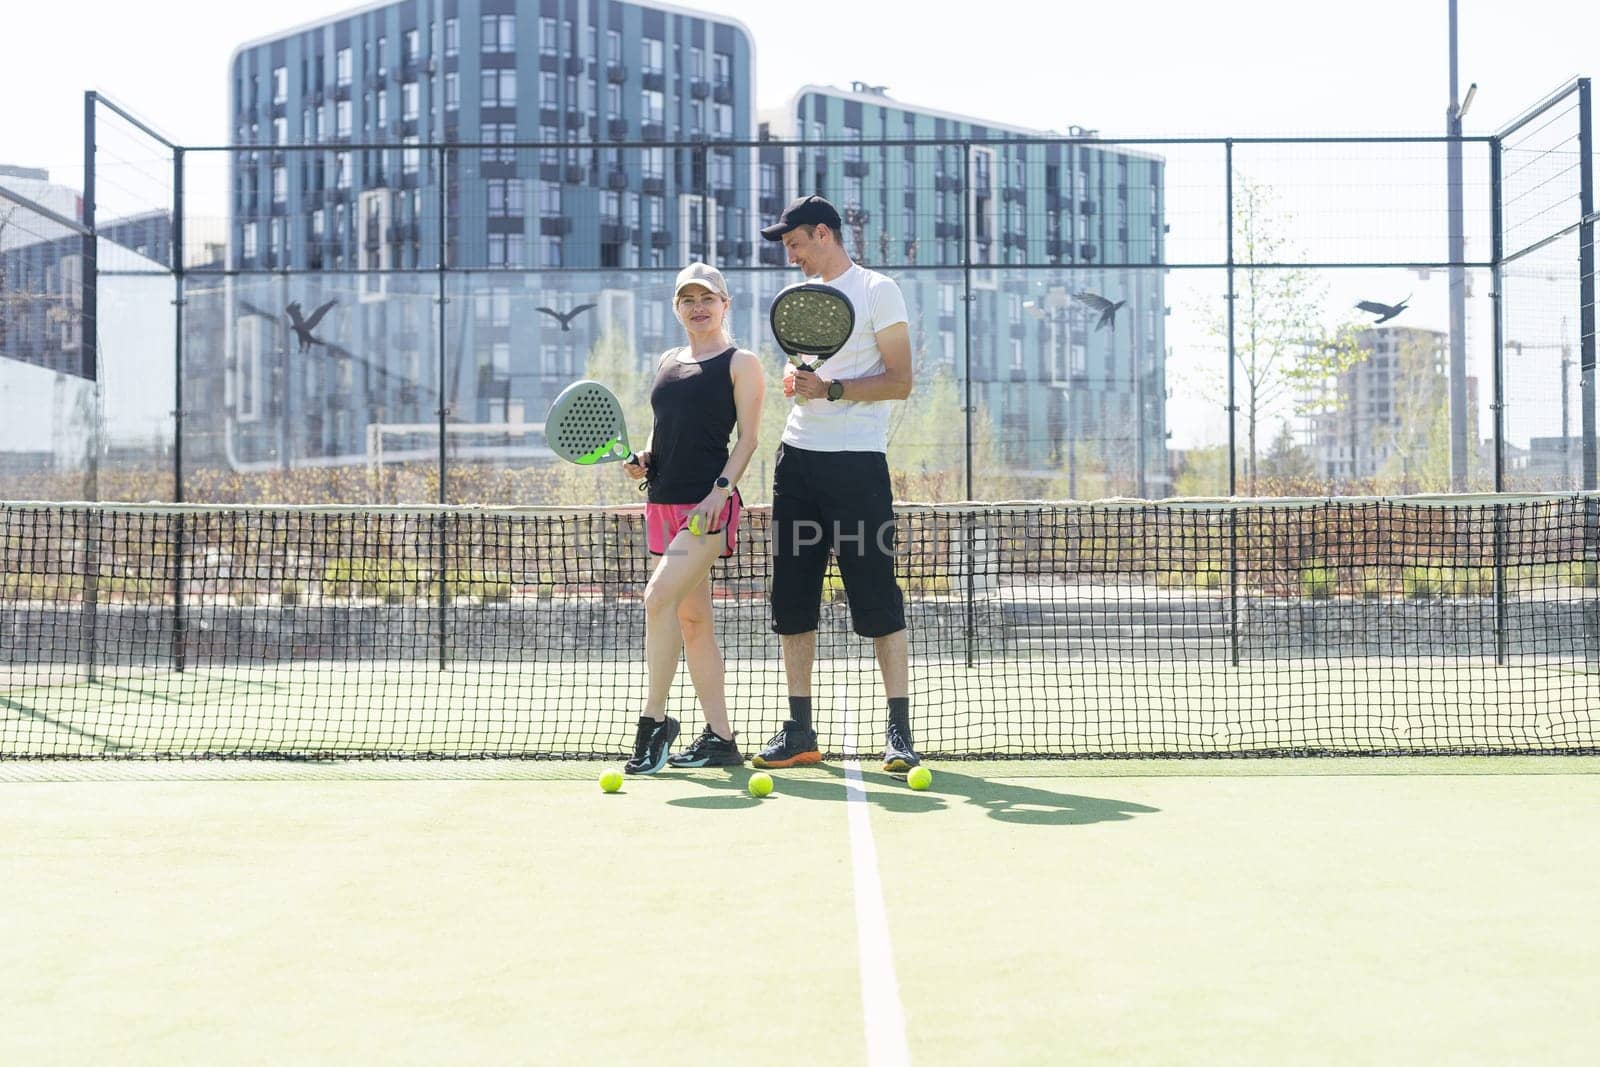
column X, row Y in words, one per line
column 661, row 238
column 773, row 254
column 576, row 175
column 574, row 120
column 617, row 129
column 1086, row 207
column 699, row 88
column 725, row 249
column 855, row 168
column 653, row 131
column 723, row 93
column 653, row 80
column 947, row 229
column 1087, row 251
column 724, row 197
column 617, row 179
column 612, row 233
column 911, row 200
column 946, row 183
column 771, row 204
column 656, row 186
column 1014, row 194
column 616, row 73
column 556, row 227
column 549, row 172
column 574, row 64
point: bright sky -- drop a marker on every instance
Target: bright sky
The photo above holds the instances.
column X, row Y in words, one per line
column 1162, row 67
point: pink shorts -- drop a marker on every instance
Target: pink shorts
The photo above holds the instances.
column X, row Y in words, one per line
column 663, row 521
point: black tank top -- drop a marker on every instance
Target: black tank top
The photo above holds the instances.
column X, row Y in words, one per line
column 694, row 413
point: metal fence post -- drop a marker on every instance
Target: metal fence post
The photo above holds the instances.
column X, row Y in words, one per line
column 1233, row 429
column 179, row 543
column 441, row 553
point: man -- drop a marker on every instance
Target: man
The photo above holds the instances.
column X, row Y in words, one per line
column 831, row 487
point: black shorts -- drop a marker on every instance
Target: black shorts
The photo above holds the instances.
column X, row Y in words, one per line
column 839, row 502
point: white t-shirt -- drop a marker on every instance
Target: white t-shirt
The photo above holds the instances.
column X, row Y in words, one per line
column 852, row 425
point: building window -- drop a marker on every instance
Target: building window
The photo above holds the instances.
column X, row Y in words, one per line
column 409, row 97
column 342, row 126
column 549, row 135
column 613, row 46
column 280, row 131
column 653, row 163
column 452, row 36
column 280, row 185
column 653, row 103
column 505, row 198
column 411, row 46
column 724, row 120
column 549, row 88
column 721, row 171
column 452, row 91
column 549, row 199
column 499, row 33
column 280, row 85
column 341, row 170
column 411, row 158
column 652, row 54
column 613, row 101
column 696, row 64
column 383, row 107
column 611, row 207
column 383, row 52
column 550, row 251
column 341, row 67
column 721, row 68
column 547, row 36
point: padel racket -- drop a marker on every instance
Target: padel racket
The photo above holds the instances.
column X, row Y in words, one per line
column 585, row 426
column 812, row 322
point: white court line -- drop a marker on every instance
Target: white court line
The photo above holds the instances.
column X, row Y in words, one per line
column 880, row 989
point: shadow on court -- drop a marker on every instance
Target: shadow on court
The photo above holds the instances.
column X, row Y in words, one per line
column 1024, row 805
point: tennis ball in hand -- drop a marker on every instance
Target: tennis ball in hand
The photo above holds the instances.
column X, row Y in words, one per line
column 694, row 525
column 760, row 784
column 920, row 778
column 611, row 781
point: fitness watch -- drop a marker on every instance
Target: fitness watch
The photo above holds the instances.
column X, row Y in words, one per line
column 723, row 484
column 835, row 390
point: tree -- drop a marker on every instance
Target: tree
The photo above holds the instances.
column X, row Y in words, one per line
column 1285, row 354
column 1286, row 461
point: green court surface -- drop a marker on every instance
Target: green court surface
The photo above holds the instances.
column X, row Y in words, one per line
column 1429, row 910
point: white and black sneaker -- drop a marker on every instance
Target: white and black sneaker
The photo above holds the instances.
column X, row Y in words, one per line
column 650, row 745
column 709, row 750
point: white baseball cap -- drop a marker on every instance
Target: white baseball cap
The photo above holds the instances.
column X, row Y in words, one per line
column 700, row 274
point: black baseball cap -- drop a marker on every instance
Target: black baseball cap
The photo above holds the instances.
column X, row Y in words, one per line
column 803, row 211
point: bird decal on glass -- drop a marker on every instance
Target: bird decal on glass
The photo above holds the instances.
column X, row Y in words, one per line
column 303, row 326
column 1385, row 312
column 566, row 320
column 1108, row 310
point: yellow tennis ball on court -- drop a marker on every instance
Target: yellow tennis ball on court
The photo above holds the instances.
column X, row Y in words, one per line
column 760, row 784
column 611, row 781
column 920, row 778
column 694, row 525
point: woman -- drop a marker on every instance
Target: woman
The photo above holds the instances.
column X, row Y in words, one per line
column 702, row 390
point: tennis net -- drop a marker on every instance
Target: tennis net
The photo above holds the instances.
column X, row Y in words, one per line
column 1185, row 628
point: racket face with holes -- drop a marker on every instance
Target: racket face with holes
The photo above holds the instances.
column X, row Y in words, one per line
column 811, row 322
column 585, row 425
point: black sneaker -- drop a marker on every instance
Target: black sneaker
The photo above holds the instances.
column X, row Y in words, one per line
column 792, row 746
column 898, row 755
column 708, row 750
column 650, row 745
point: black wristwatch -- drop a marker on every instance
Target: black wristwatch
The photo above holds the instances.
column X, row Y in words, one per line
column 835, row 390
column 723, row 484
